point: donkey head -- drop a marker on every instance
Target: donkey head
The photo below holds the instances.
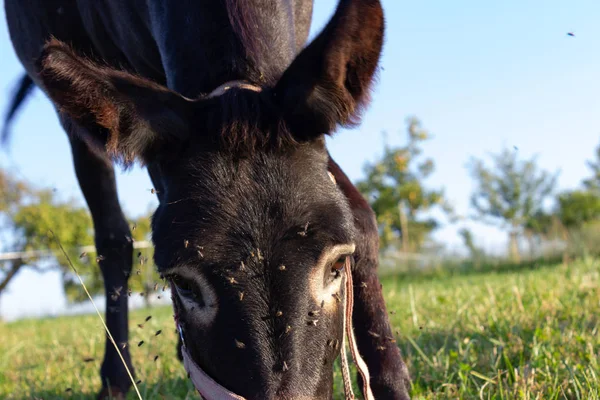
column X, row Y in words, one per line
column 251, row 230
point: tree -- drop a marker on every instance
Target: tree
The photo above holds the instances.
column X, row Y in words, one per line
column 11, row 191
column 593, row 183
column 28, row 214
column 541, row 227
column 510, row 193
column 540, row 223
column 475, row 252
column 577, row 207
column 573, row 209
column 395, row 189
column 143, row 277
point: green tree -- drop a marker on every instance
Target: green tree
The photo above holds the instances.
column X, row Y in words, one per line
column 573, row 209
column 142, row 281
column 475, row 252
column 44, row 222
column 578, row 207
column 26, row 216
column 541, row 227
column 593, row 182
column 540, row 223
column 12, row 192
column 29, row 214
column 574, row 220
column 394, row 186
column 510, row 193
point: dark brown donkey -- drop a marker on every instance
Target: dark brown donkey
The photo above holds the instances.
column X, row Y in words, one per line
column 228, row 109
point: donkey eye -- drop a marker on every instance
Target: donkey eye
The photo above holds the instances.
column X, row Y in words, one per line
column 335, row 270
column 339, row 265
column 183, row 287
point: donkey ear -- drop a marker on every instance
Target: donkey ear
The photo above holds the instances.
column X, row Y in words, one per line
column 328, row 83
column 132, row 118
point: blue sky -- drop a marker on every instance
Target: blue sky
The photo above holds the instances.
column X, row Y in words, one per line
column 479, row 75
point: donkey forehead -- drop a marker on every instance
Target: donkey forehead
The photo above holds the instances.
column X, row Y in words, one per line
column 230, row 209
column 236, row 233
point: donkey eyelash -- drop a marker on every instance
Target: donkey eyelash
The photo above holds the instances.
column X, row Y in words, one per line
column 338, row 266
column 182, row 286
column 340, row 263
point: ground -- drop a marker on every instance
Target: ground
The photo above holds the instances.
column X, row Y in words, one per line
column 526, row 333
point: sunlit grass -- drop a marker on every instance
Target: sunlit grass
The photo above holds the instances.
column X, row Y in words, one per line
column 529, row 334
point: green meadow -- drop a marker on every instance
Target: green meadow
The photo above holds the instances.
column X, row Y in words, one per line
column 506, row 333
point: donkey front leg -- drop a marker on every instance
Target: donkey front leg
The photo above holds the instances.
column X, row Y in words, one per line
column 374, row 337
column 115, row 250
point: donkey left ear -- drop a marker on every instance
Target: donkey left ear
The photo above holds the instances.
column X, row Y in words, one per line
column 328, row 83
column 130, row 117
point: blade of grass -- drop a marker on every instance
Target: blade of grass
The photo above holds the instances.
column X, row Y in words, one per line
column 481, row 376
column 421, row 353
column 98, row 312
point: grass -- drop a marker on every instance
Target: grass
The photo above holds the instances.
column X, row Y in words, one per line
column 520, row 334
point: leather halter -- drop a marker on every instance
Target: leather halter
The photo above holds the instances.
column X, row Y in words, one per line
column 211, row 390
column 233, row 84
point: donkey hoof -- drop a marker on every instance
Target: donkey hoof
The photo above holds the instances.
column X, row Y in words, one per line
column 111, row 393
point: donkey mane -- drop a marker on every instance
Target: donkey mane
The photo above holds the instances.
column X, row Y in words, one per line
column 246, row 122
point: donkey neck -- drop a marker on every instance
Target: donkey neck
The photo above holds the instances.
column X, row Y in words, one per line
column 207, row 43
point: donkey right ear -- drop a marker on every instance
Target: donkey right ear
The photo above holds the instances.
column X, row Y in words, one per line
column 131, row 117
column 328, row 83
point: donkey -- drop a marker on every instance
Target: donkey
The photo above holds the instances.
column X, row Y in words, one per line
column 257, row 227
